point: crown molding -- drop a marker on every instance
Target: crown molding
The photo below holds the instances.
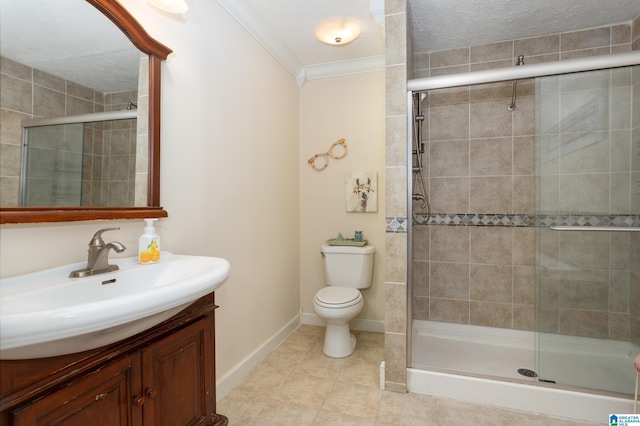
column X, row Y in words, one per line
column 352, row 66
column 251, row 21
column 247, row 17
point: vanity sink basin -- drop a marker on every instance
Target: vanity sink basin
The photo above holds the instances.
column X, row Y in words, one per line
column 46, row 313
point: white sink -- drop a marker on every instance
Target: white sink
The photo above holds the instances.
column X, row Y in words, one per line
column 46, row 313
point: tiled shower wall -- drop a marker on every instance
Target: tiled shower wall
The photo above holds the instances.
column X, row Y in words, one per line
column 110, row 156
column 584, row 130
column 396, row 75
column 481, row 160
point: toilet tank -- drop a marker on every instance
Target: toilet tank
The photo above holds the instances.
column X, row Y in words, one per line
column 348, row 266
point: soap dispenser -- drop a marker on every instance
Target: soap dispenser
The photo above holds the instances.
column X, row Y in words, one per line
column 149, row 244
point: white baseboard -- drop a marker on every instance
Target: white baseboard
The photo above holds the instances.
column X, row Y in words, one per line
column 226, row 382
column 373, row 326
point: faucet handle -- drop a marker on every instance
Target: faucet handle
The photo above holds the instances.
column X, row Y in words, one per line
column 97, row 240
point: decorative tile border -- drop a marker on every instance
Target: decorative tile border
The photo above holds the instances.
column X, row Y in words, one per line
column 397, row 225
column 400, row 224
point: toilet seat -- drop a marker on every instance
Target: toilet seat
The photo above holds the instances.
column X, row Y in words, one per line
column 337, row 297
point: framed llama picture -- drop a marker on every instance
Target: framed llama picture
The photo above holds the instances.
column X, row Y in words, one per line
column 361, row 192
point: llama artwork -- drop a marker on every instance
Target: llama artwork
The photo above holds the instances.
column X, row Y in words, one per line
column 361, row 193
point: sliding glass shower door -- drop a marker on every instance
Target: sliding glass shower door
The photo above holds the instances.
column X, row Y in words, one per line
column 588, row 204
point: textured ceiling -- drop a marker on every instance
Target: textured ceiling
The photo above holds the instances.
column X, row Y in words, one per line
column 34, row 31
column 446, row 24
column 69, row 39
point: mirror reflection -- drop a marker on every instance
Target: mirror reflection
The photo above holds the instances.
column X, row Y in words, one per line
column 73, row 129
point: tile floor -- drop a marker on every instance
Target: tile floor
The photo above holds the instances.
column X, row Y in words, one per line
column 298, row 385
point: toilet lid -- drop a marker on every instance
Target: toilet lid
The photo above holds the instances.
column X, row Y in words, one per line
column 338, row 297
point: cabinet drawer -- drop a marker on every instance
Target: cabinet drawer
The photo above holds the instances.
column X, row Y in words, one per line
column 102, row 397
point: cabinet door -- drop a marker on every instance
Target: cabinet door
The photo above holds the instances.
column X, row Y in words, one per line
column 102, row 397
column 177, row 378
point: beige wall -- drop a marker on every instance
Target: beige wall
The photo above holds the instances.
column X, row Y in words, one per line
column 230, row 164
column 349, row 107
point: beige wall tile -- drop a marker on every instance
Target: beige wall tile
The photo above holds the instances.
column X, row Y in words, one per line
column 574, row 54
column 16, row 69
column 524, row 246
column 524, row 155
column 524, row 317
column 449, row 158
column 449, row 122
column 491, row 314
column 395, row 345
column 523, row 194
column 490, row 194
column 535, row 46
column 577, row 322
column 489, row 119
column 492, row 52
column 450, row 244
column 450, row 194
column 491, row 245
column 420, row 308
column 524, row 285
column 449, row 280
column 449, row 310
column 395, row 259
column 621, row 34
column 490, row 157
column 491, row 283
column 588, row 250
column 396, row 141
column 396, row 191
column 586, row 39
column 396, row 39
column 396, row 91
column 395, row 308
column 421, row 242
column 448, row 58
column 16, row 94
column 420, row 278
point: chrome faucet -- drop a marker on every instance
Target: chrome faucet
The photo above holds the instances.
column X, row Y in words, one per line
column 98, row 261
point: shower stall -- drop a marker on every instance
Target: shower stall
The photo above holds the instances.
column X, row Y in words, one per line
column 524, row 250
column 80, row 160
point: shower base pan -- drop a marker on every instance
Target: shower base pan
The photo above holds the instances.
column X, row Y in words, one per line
column 480, row 365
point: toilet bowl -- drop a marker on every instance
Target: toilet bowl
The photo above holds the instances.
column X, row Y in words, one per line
column 347, row 270
column 337, row 306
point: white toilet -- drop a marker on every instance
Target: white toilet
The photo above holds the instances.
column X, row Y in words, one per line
column 347, row 269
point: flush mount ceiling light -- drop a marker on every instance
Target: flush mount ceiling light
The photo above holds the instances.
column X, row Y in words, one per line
column 171, row 6
column 338, row 31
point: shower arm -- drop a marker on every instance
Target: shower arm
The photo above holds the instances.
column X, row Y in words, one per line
column 512, row 105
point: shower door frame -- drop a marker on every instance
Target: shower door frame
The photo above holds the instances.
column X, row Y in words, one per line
column 481, row 77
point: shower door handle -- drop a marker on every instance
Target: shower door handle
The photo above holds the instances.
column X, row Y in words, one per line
column 597, row 228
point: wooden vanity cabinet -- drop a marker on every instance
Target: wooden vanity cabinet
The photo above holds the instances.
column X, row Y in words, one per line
column 164, row 376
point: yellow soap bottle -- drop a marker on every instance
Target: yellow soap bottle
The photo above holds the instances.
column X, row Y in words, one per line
column 149, row 244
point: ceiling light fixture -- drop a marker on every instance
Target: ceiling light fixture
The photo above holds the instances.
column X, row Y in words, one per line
column 171, row 6
column 338, row 31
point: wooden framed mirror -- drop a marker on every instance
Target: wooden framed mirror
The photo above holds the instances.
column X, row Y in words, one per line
column 156, row 52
